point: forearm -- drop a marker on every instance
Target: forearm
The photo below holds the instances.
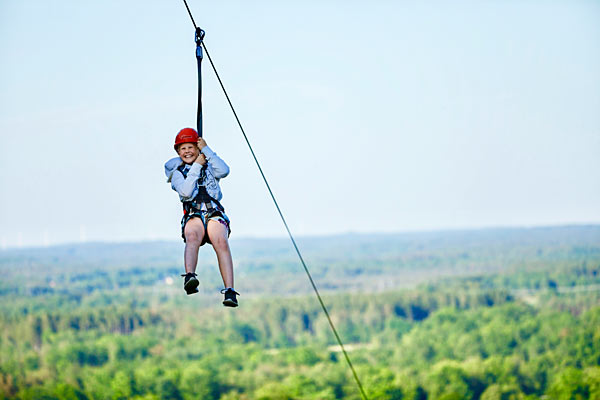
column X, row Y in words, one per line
column 219, row 167
column 186, row 186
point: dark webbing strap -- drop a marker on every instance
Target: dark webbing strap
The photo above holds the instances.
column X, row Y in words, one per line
column 199, row 37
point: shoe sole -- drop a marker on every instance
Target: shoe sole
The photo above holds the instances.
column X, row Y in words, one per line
column 229, row 303
column 191, row 286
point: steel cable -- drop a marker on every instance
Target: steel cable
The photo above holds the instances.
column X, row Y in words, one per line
column 312, row 282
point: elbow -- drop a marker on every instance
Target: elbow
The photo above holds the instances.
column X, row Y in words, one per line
column 186, row 194
column 224, row 172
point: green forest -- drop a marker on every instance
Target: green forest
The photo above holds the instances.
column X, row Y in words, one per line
column 481, row 314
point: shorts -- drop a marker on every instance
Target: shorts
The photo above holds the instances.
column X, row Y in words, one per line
column 205, row 216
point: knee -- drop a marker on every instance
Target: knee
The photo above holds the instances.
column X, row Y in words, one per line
column 220, row 243
column 193, row 237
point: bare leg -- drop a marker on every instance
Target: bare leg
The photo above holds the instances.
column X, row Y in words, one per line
column 217, row 232
column 194, row 233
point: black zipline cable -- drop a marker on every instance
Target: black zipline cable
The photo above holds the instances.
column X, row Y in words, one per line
column 312, row 282
column 190, row 13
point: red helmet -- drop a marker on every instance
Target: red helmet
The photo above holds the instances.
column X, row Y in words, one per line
column 186, row 135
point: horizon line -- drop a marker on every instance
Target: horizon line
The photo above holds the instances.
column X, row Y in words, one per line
column 283, row 236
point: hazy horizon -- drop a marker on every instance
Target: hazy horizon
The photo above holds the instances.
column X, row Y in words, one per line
column 285, row 237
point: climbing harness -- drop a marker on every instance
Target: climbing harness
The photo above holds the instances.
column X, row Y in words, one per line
column 199, row 46
column 202, row 197
column 203, row 206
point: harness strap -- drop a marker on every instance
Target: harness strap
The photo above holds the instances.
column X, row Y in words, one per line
column 202, row 197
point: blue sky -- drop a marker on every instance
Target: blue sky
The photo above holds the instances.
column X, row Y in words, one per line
column 367, row 117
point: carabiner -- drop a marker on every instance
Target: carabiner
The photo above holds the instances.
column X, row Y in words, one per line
column 199, row 36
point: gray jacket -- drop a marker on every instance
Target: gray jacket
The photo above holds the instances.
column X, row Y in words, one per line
column 187, row 188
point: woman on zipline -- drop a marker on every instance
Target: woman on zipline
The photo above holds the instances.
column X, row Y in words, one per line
column 195, row 176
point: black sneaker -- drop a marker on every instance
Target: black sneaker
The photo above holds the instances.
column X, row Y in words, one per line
column 230, row 300
column 190, row 284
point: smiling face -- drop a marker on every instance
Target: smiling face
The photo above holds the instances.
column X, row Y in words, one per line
column 188, row 152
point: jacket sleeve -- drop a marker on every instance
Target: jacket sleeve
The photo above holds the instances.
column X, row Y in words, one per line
column 220, row 169
column 185, row 186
